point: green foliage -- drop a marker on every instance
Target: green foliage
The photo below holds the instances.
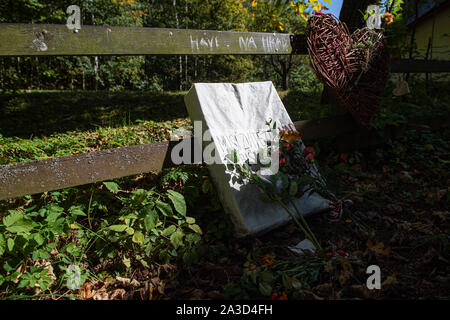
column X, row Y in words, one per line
column 148, row 73
column 424, row 101
column 126, row 73
column 143, row 227
column 303, row 79
column 111, row 73
column 280, row 17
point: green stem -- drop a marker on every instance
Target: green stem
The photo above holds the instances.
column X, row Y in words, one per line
column 306, row 225
column 302, row 228
column 89, row 210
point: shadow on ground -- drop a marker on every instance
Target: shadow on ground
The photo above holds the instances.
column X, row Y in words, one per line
column 44, row 113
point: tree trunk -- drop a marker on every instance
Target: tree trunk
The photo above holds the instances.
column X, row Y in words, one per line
column 146, row 23
column 195, row 67
column 282, row 67
column 413, row 36
column 180, row 59
column 186, row 57
column 2, row 72
column 37, row 74
column 95, row 73
column 285, row 76
column 286, row 81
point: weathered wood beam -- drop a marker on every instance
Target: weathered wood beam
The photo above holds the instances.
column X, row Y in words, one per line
column 62, row 172
column 38, row 176
column 58, row 40
column 57, row 173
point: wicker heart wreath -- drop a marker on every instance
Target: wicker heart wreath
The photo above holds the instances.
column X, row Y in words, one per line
column 355, row 67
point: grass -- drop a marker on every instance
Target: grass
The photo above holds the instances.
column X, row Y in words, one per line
column 84, row 121
column 26, row 115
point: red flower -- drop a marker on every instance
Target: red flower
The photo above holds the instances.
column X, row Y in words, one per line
column 269, row 259
column 288, row 146
column 274, row 296
column 282, row 161
column 341, row 253
column 388, row 18
column 309, row 150
column 309, row 157
column 329, row 255
column 344, row 157
column 309, row 153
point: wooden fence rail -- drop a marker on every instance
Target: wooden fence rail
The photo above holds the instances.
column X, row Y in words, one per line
column 56, row 40
column 61, row 172
column 419, row 66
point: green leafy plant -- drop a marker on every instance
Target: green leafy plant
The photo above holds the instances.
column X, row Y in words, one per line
column 140, row 227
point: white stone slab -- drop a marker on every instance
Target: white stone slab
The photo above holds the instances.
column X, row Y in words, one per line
column 236, row 114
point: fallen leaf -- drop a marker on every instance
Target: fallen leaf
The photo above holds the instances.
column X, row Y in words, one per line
column 85, row 290
column 101, row 295
column 390, row 281
column 117, row 294
column 346, row 271
column 378, row 248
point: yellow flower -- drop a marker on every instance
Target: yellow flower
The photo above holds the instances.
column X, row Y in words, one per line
column 318, row 8
column 278, row 24
column 290, row 135
column 254, row 3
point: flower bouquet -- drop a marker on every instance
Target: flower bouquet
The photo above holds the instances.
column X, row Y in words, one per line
column 296, row 175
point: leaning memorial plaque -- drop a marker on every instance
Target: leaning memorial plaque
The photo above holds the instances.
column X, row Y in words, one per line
column 232, row 121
